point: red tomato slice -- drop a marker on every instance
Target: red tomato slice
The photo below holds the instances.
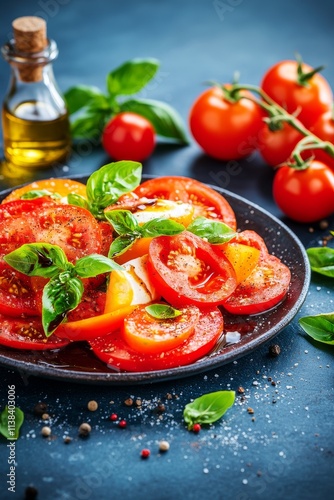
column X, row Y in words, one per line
column 149, row 335
column 27, row 334
column 17, row 297
column 114, row 351
column 187, row 270
column 263, row 289
column 208, row 202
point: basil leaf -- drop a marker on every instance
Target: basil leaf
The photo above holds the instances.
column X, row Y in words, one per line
column 60, row 295
column 212, row 231
column 160, row 226
column 38, row 259
column 94, row 264
column 107, row 184
column 81, row 96
column 208, row 408
column 39, row 193
column 131, row 76
column 123, row 221
column 322, row 260
column 162, row 311
column 320, row 327
column 77, row 200
column 90, row 125
column 11, row 420
column 120, row 244
column 165, row 120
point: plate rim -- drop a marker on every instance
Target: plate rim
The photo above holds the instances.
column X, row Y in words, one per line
column 204, row 364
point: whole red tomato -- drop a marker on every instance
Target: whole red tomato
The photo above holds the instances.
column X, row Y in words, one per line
column 128, row 136
column 309, row 98
column 225, row 130
column 305, row 195
column 276, row 146
column 324, row 129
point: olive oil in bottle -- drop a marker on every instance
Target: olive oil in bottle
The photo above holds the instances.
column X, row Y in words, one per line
column 34, row 116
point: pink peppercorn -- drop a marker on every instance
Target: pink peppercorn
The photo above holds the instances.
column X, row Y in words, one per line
column 145, row 453
column 196, row 428
column 113, row 417
column 122, row 424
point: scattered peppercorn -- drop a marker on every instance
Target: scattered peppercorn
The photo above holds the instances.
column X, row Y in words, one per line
column 241, row 390
column 30, row 493
column 160, row 408
column 323, row 224
column 274, row 350
column 92, row 405
column 145, row 453
column 250, row 410
column 273, row 383
column 122, row 424
column 84, row 429
column 138, row 402
column 196, row 428
column 46, row 431
column 128, row 402
column 113, row 417
column 67, row 439
column 40, row 408
column 164, row 446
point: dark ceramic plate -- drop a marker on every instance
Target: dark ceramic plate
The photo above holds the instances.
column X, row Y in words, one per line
column 76, row 363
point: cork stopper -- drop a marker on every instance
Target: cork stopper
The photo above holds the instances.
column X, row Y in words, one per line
column 30, row 37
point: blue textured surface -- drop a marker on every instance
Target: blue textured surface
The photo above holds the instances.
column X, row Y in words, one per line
column 285, row 449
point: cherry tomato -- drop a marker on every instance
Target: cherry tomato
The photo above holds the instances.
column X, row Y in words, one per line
column 62, row 187
column 324, row 129
column 276, row 146
column 207, row 202
column 128, row 136
column 309, row 99
column 305, row 195
column 17, row 297
column 146, row 334
column 27, row 334
column 225, row 130
column 187, row 270
column 263, row 289
column 114, row 351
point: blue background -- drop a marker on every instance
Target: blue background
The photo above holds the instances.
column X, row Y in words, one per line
column 287, row 451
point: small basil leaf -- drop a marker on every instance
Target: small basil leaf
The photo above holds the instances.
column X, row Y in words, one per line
column 11, row 420
column 38, row 259
column 107, row 184
column 214, row 232
column 77, row 200
column 39, row 193
column 94, row 264
column 165, row 120
column 121, row 244
column 60, row 295
column 160, row 226
column 208, row 408
column 131, row 76
column 81, row 96
column 162, row 311
column 123, row 221
column 320, row 327
column 322, row 260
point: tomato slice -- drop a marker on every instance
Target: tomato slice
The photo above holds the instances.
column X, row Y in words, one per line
column 62, row 187
column 265, row 286
column 114, row 351
column 187, row 270
column 207, row 202
column 150, row 335
column 27, row 334
column 17, row 297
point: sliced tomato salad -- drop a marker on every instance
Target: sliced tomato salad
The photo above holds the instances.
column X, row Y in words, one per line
column 195, row 281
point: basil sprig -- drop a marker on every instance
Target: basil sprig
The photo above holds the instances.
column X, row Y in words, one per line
column 129, row 230
column 11, row 420
column 322, row 260
column 208, row 408
column 91, row 109
column 320, row 327
column 64, row 291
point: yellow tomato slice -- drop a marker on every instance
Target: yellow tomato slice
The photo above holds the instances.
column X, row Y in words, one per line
column 243, row 258
column 138, row 249
column 149, row 335
column 59, row 186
